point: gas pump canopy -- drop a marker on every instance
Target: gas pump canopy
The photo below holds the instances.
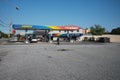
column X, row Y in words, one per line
column 43, row 27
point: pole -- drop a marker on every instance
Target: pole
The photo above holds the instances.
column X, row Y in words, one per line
column 10, row 29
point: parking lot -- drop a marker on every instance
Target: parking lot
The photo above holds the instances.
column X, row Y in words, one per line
column 98, row 61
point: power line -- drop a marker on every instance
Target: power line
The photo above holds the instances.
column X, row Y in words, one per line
column 3, row 22
column 3, row 25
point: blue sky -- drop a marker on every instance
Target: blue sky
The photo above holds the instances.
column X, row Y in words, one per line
column 83, row 13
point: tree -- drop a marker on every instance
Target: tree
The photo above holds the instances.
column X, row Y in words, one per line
column 116, row 31
column 2, row 34
column 97, row 30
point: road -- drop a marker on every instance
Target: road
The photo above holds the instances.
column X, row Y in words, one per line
column 60, row 62
column 3, row 40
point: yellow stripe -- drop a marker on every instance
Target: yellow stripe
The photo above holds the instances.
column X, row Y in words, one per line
column 53, row 27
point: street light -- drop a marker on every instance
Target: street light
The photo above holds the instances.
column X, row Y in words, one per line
column 17, row 7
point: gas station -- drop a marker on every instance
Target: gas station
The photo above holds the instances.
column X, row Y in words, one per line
column 48, row 33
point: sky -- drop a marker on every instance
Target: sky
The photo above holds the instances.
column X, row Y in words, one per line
column 83, row 13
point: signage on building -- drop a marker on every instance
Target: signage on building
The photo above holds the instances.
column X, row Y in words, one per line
column 69, row 27
column 26, row 26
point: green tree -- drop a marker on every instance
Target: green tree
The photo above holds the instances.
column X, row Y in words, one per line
column 116, row 31
column 97, row 30
column 2, row 34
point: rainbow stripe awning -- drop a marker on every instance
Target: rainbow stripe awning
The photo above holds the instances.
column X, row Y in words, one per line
column 42, row 27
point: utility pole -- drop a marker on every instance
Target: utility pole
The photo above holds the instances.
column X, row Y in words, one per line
column 10, row 30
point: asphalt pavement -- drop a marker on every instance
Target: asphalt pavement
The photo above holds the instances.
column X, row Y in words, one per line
column 60, row 62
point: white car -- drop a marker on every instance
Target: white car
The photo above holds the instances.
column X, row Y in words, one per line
column 34, row 40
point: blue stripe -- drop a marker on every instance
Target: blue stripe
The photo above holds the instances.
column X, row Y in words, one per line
column 19, row 27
